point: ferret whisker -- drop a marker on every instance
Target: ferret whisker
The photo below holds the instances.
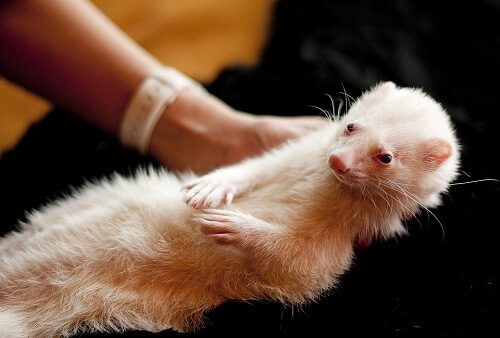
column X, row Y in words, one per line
column 330, row 120
column 339, row 109
column 363, row 192
column 347, row 97
column 405, row 184
column 333, row 104
column 386, row 201
column 435, row 217
column 399, row 202
column 414, row 198
column 373, row 202
column 324, row 112
column 388, row 194
column 477, row 181
column 465, row 173
column 377, row 188
column 325, row 153
column 396, row 188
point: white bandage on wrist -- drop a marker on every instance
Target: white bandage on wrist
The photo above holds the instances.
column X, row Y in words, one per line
column 147, row 105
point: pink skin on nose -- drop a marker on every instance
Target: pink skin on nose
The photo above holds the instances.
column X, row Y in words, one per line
column 339, row 163
column 342, row 163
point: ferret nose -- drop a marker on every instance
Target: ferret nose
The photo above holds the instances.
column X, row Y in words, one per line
column 338, row 164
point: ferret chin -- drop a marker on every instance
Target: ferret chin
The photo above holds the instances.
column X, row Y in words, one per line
column 158, row 250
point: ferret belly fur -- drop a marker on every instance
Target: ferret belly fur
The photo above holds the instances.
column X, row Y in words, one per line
column 144, row 253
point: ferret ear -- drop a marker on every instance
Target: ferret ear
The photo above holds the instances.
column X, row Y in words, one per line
column 435, row 152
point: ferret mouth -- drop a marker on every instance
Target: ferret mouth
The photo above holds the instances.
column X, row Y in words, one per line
column 349, row 179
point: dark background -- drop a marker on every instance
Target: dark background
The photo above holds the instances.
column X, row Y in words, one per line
column 427, row 284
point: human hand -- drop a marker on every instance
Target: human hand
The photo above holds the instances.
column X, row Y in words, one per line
column 199, row 132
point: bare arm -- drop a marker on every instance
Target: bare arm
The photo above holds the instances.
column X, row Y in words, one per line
column 68, row 52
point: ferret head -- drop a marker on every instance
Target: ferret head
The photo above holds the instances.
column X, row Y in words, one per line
column 397, row 148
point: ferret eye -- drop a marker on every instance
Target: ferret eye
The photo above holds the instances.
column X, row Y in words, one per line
column 350, row 128
column 385, row 158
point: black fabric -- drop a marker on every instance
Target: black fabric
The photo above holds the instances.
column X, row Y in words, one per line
column 442, row 279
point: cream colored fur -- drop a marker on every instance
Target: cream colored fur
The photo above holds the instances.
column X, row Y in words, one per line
column 144, row 253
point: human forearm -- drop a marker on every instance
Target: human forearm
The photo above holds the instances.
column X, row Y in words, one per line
column 71, row 54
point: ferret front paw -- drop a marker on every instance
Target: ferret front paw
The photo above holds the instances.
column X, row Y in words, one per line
column 224, row 226
column 208, row 192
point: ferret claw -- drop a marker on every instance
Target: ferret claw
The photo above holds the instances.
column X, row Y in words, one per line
column 208, row 193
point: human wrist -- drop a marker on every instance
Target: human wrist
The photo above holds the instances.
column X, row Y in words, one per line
column 149, row 101
column 200, row 132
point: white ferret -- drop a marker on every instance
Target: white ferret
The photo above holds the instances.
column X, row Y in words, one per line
column 153, row 252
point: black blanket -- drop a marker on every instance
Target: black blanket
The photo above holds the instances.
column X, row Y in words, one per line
column 440, row 280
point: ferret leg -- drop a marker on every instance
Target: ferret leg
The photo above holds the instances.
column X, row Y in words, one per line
column 235, row 228
column 211, row 191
